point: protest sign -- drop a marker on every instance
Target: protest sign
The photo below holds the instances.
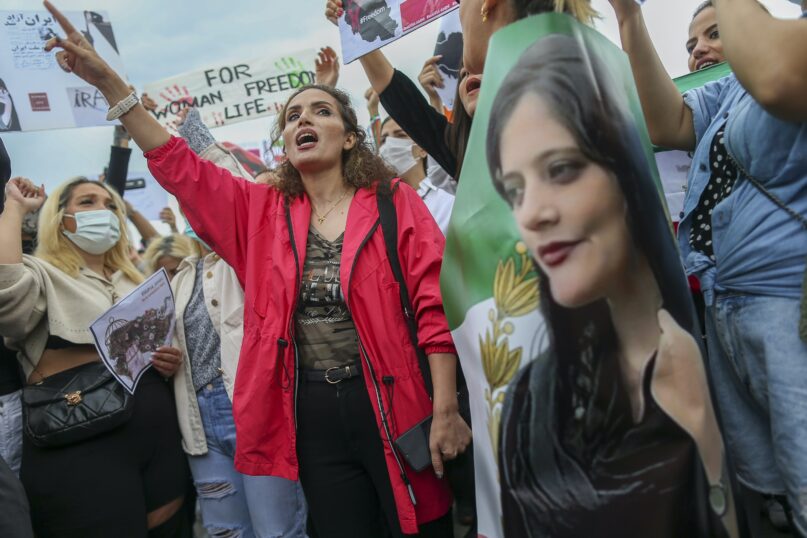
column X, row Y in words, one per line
column 128, row 333
column 489, row 280
column 449, row 47
column 35, row 93
column 233, row 92
column 368, row 25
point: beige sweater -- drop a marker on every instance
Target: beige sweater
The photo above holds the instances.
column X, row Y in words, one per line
column 37, row 299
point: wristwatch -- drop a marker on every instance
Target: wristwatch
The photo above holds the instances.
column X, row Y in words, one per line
column 123, row 106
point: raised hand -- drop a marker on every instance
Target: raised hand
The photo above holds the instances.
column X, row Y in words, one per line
column 25, row 194
column 372, row 101
column 77, row 55
column 148, row 103
column 430, row 78
column 334, row 10
column 167, row 216
column 327, row 67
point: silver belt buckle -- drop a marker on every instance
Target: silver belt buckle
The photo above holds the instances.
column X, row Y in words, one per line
column 328, row 371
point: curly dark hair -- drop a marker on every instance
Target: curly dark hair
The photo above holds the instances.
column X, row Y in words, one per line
column 361, row 166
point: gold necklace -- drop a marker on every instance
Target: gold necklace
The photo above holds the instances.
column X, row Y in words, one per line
column 321, row 218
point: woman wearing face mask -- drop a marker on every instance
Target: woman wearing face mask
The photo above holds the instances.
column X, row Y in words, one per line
column 126, row 481
column 409, row 162
column 613, row 427
column 743, row 232
column 328, row 373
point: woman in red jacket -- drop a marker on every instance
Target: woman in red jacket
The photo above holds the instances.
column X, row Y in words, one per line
column 328, row 375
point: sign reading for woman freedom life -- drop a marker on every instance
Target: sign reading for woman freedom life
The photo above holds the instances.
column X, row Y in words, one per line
column 35, row 93
column 233, row 92
column 368, row 25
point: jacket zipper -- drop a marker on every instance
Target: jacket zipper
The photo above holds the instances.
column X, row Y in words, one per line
column 294, row 308
column 371, row 371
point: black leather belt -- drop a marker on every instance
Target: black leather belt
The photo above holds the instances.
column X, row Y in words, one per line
column 333, row 375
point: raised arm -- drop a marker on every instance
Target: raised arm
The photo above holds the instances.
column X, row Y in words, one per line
column 22, row 197
column 77, row 56
column 669, row 120
column 215, row 203
column 768, row 56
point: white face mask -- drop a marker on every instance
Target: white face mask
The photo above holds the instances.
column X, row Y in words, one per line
column 96, row 231
column 398, row 153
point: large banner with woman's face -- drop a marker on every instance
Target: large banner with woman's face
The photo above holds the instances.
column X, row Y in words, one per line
column 569, row 306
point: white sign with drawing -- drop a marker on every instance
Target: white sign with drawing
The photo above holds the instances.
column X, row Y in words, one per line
column 128, row 333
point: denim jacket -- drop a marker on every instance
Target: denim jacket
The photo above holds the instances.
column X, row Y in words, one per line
column 759, row 248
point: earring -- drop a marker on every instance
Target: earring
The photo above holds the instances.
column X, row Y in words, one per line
column 484, row 13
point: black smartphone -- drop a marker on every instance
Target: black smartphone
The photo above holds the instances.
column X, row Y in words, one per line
column 413, row 445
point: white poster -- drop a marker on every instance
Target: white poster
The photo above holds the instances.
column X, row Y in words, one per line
column 673, row 167
column 35, row 93
column 370, row 24
column 234, row 92
column 449, row 46
column 128, row 333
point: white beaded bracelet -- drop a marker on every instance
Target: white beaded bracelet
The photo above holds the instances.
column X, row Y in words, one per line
column 123, row 106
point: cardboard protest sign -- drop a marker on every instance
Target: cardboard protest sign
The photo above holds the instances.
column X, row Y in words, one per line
column 35, row 93
column 558, row 159
column 128, row 333
column 368, row 25
column 229, row 93
column 449, row 46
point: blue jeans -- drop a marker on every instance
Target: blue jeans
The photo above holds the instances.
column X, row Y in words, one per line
column 11, row 430
column 236, row 505
column 758, row 365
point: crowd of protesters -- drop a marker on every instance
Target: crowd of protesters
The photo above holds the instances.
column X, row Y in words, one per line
column 310, row 324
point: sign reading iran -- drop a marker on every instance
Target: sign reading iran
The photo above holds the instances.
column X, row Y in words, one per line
column 35, row 93
column 234, row 92
column 368, row 25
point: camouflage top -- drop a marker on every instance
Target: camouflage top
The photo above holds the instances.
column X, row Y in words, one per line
column 326, row 336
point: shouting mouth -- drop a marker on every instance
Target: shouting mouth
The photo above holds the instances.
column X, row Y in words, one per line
column 306, row 139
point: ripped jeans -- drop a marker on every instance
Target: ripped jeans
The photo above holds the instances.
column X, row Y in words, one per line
column 236, row 505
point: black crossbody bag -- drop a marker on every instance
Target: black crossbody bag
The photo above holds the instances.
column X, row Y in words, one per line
column 413, row 444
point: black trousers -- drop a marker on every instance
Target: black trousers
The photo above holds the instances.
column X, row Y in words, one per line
column 104, row 486
column 342, row 467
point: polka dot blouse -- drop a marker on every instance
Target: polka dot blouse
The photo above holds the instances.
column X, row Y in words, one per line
column 721, row 181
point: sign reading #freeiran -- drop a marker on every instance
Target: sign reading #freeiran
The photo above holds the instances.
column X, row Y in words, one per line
column 233, row 92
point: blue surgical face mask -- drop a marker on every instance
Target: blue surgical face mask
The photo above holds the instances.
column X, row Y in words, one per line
column 96, row 231
column 190, row 233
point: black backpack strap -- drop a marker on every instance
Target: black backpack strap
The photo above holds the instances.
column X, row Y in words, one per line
column 389, row 226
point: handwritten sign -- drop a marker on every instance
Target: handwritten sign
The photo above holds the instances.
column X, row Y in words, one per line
column 35, row 93
column 368, row 25
column 230, row 93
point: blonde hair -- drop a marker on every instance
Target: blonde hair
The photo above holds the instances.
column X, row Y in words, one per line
column 175, row 246
column 55, row 248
